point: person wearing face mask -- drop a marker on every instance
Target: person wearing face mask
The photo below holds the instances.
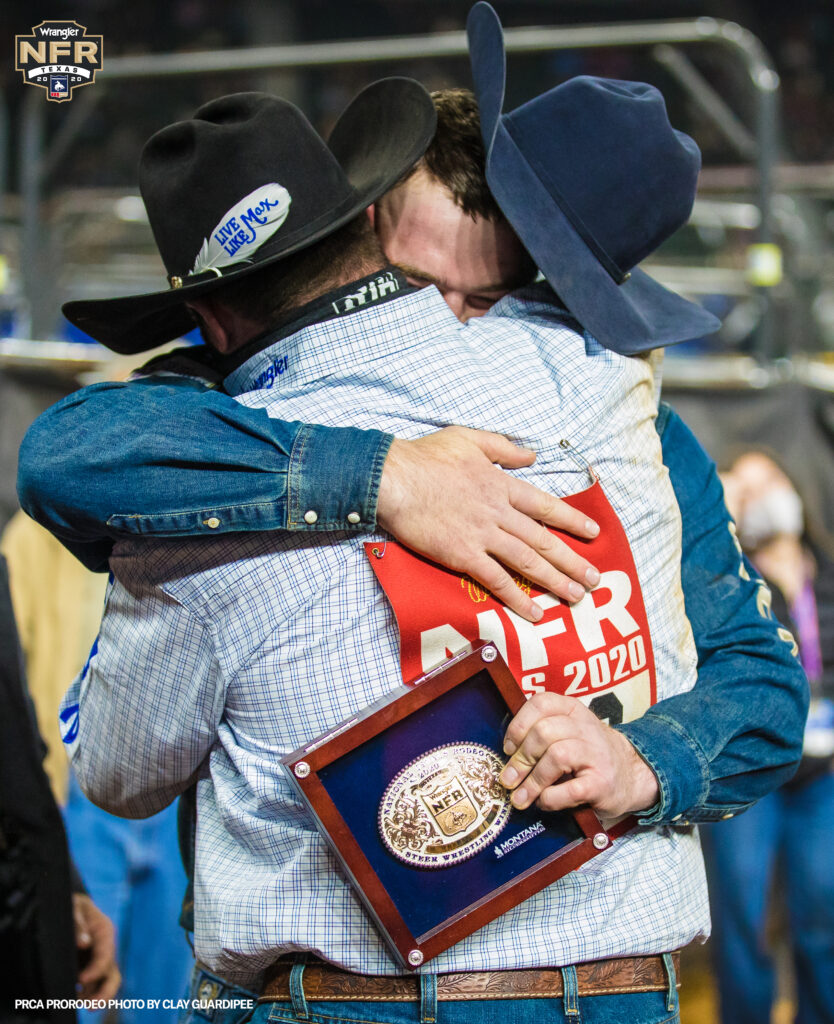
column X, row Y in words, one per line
column 789, row 830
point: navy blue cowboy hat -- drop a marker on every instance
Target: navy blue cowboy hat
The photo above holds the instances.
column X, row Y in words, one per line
column 246, row 182
column 593, row 178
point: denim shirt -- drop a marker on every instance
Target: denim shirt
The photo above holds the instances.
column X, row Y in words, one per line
column 161, row 455
column 738, row 734
column 183, row 460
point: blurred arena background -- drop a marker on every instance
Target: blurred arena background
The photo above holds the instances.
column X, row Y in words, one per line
column 752, row 82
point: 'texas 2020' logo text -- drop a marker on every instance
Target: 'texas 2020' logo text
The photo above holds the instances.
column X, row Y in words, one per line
column 58, row 56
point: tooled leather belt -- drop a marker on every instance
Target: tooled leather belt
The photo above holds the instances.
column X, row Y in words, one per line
column 595, row 978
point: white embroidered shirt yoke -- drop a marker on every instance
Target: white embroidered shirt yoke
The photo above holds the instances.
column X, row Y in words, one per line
column 217, row 657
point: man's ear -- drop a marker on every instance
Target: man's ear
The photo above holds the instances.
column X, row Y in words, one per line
column 213, row 323
column 371, row 212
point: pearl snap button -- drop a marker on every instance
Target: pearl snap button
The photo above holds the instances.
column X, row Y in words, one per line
column 311, row 517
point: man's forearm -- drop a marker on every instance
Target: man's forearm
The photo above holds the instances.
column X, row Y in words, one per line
column 738, row 734
column 162, row 459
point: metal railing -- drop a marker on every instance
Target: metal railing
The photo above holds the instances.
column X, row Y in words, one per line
column 744, row 373
column 36, row 159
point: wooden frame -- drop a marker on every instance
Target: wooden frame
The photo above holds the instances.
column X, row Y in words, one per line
column 308, row 766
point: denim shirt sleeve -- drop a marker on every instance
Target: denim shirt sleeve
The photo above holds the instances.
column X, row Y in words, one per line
column 738, row 734
column 119, row 459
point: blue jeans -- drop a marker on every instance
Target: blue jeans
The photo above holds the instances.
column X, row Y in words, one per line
column 211, row 1000
column 789, row 831
column 635, row 1008
column 133, row 872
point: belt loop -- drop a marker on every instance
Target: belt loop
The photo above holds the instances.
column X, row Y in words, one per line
column 299, row 1003
column 672, row 991
column 428, row 998
column 570, row 995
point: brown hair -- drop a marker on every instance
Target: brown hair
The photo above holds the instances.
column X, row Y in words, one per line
column 456, row 158
column 267, row 295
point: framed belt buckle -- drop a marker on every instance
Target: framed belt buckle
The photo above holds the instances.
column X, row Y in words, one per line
column 406, row 793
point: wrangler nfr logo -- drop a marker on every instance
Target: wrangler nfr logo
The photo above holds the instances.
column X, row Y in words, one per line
column 58, row 56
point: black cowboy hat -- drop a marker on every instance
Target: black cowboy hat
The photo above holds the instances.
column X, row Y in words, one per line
column 248, row 181
column 592, row 177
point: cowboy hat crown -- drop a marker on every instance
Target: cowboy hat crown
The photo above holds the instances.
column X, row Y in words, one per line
column 247, row 181
column 593, row 178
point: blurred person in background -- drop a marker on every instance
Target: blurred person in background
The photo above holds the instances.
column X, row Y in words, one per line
column 786, row 837
column 131, row 868
column 57, row 606
column 55, row 944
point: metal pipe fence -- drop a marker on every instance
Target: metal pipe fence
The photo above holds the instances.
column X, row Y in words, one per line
column 742, row 46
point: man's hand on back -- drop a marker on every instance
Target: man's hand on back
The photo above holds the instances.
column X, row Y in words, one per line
column 443, row 496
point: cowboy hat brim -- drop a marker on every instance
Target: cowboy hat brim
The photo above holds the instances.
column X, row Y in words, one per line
column 383, row 132
column 638, row 315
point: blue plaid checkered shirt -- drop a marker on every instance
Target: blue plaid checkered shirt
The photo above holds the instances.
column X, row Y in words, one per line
column 217, row 657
